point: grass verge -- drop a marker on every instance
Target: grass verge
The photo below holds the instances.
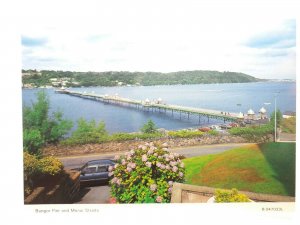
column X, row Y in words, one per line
column 262, row 168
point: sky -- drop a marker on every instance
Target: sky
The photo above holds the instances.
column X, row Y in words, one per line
column 164, row 38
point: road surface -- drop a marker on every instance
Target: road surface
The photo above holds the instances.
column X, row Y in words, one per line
column 100, row 194
column 192, row 151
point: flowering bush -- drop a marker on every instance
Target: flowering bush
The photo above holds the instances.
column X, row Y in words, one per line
column 36, row 170
column 230, row 196
column 146, row 175
column 50, row 166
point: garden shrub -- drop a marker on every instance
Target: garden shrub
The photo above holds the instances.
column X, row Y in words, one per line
column 185, row 134
column 225, row 196
column 213, row 132
column 149, row 127
column 146, row 175
column 255, row 133
column 87, row 132
column 50, row 166
column 30, row 170
column 36, row 169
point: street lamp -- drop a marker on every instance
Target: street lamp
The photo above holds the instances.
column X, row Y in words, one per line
column 275, row 96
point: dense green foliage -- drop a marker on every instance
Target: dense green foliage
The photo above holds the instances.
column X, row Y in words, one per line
column 257, row 134
column 288, row 125
column 90, row 132
column 260, row 168
column 149, row 127
column 146, row 175
column 185, row 134
column 278, row 118
column 138, row 78
column 226, row 196
column 39, row 128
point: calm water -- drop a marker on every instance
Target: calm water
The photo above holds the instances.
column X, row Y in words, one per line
column 223, row 97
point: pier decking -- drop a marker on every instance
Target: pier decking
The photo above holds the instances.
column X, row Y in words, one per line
column 154, row 105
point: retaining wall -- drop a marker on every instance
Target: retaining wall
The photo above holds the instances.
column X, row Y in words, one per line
column 65, row 191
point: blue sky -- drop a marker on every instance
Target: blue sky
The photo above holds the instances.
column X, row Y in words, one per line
column 151, row 38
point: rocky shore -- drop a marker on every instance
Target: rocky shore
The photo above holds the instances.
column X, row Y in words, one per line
column 62, row 150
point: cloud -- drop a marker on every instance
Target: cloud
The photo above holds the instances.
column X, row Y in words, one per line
column 283, row 38
column 32, row 42
column 143, row 42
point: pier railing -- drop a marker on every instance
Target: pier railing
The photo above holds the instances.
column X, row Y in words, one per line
column 209, row 113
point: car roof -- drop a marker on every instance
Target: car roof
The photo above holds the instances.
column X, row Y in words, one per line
column 100, row 161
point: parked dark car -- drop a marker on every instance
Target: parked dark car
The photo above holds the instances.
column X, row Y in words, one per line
column 95, row 171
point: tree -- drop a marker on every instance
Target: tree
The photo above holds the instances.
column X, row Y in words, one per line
column 39, row 128
column 278, row 118
column 88, row 132
column 149, row 127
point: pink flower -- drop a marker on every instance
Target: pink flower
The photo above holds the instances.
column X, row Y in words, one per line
column 144, row 158
column 148, row 164
column 168, row 167
column 170, row 190
column 174, row 169
column 129, row 169
column 171, row 156
column 110, row 174
column 158, row 164
column 117, row 157
column 128, row 158
column 110, row 168
column 163, row 166
column 144, row 148
column 173, row 163
column 170, row 183
column 114, row 180
column 155, row 154
column 140, row 147
column 132, row 165
column 176, row 155
column 153, row 187
column 132, row 152
column 159, row 199
column 150, row 152
column 118, row 181
column 167, row 159
column 112, row 200
column 165, row 145
column 116, row 165
column 180, row 174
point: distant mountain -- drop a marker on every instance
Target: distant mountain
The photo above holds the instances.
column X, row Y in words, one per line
column 46, row 77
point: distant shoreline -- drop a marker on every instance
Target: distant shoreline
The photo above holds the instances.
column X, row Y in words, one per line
column 263, row 81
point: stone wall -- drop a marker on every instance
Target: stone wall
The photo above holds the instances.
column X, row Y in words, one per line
column 65, row 191
column 186, row 193
column 61, row 150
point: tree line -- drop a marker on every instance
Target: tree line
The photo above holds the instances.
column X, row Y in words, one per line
column 112, row 78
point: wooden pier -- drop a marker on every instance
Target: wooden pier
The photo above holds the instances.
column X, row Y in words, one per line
column 155, row 105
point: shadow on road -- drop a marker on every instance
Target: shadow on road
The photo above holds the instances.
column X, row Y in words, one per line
column 87, row 191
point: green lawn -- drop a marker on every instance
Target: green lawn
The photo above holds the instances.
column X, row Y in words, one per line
column 263, row 168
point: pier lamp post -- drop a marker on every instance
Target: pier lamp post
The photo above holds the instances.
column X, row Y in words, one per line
column 275, row 106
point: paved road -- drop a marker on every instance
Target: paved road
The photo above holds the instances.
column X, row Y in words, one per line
column 101, row 194
column 77, row 161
